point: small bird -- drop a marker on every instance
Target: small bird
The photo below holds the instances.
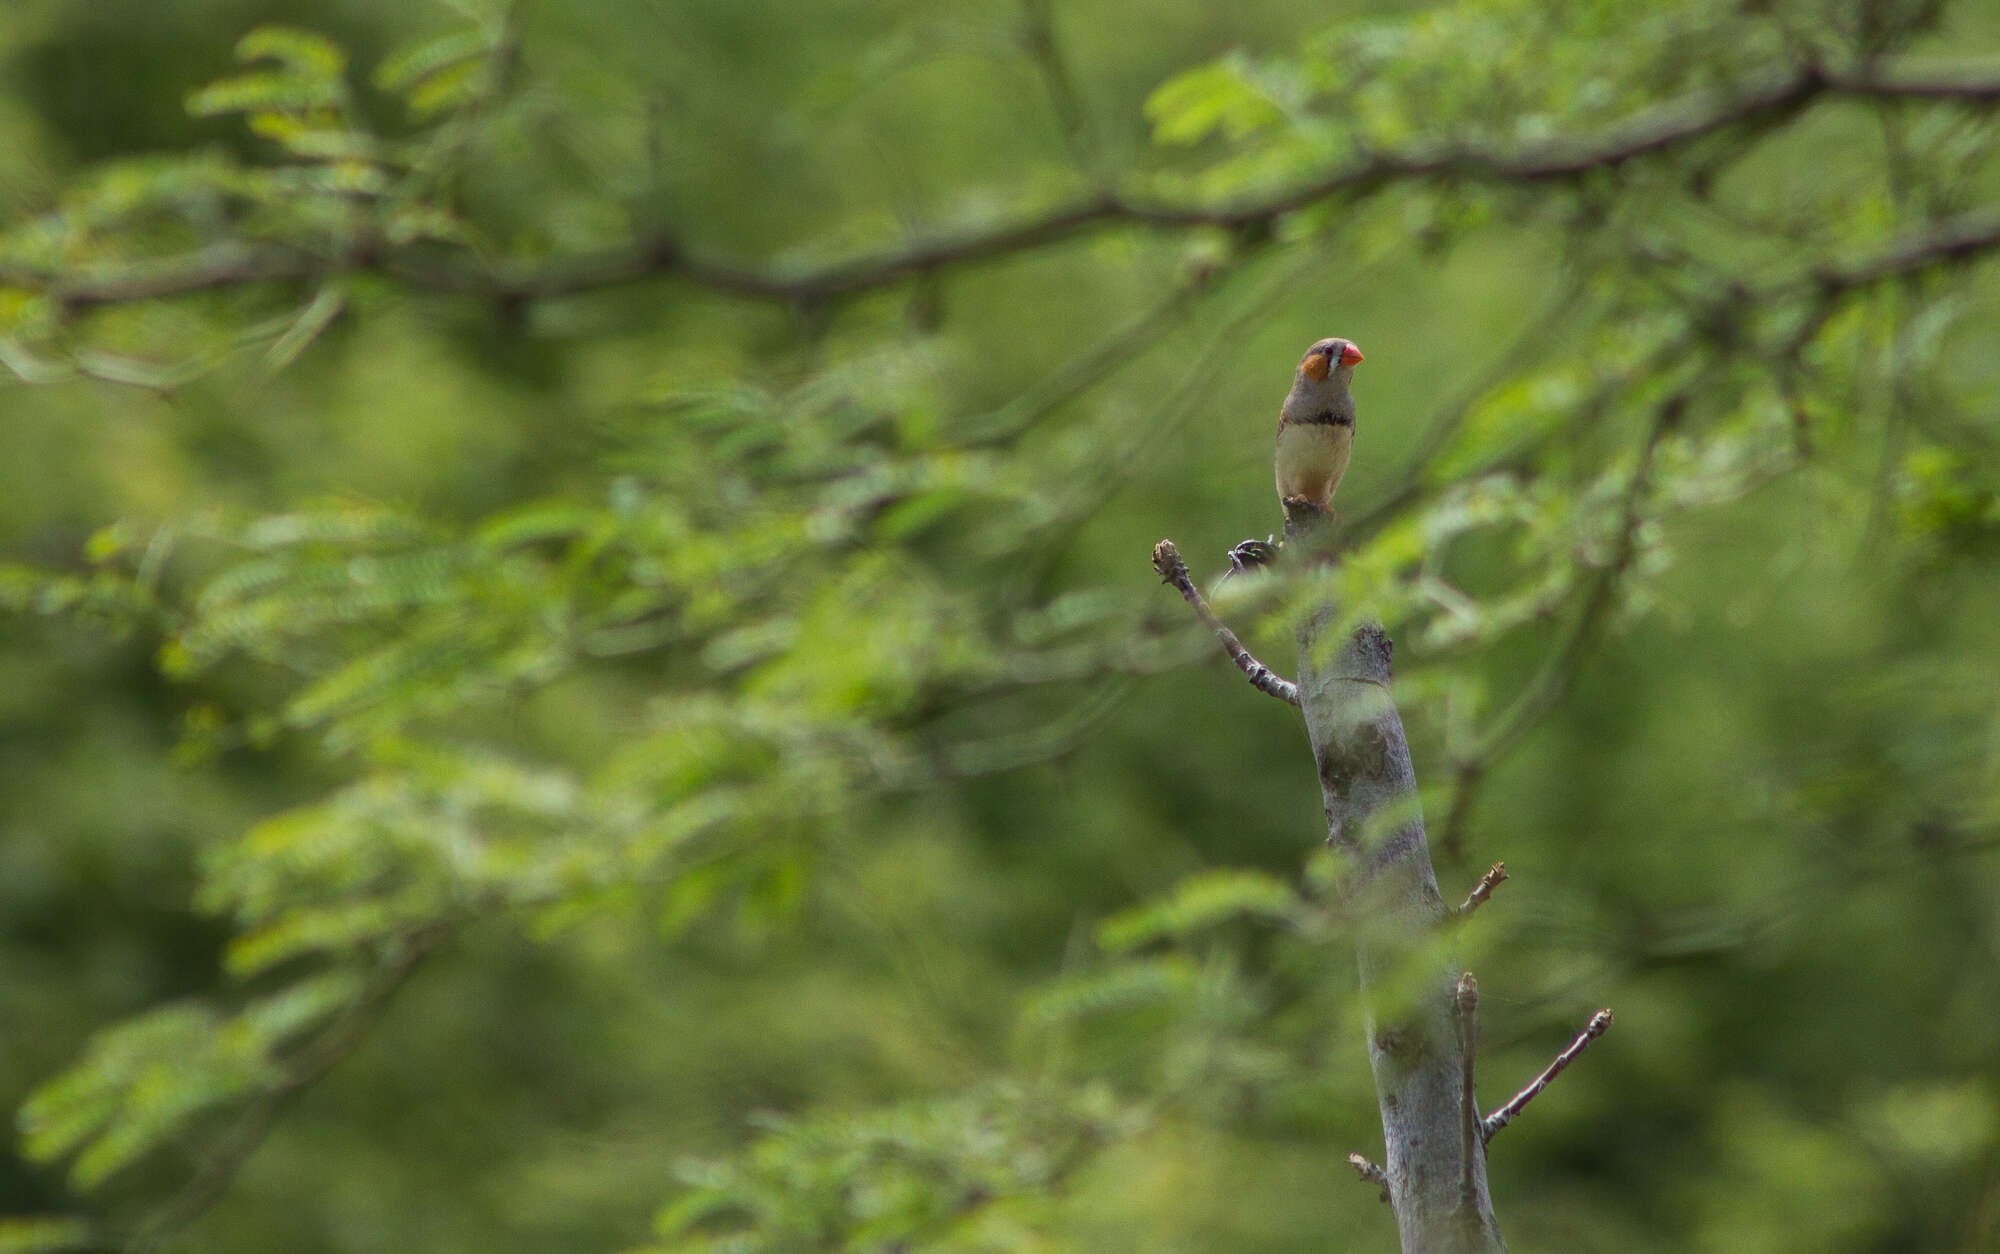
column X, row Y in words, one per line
column 1316, row 426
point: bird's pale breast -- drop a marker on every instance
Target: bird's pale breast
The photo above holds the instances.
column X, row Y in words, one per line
column 1312, row 456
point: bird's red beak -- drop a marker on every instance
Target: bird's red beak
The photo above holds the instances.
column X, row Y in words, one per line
column 1351, row 356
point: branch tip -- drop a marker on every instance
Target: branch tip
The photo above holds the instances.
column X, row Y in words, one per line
column 1370, row 1173
column 1483, row 890
column 1598, row 1025
column 1167, row 561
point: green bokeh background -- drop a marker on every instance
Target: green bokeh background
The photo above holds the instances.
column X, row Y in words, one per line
column 1760, row 825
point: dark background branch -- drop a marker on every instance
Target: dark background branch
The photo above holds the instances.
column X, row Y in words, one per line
column 1675, row 124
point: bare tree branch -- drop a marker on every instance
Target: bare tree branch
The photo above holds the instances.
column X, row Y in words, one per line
column 1918, row 79
column 1500, row 1118
column 1167, row 560
column 1370, row 1173
column 1546, row 689
column 1757, row 98
column 1956, row 238
column 1039, row 41
column 1483, row 890
column 1104, row 359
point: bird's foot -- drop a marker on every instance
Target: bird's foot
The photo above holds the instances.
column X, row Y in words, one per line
column 1252, row 554
column 1303, row 514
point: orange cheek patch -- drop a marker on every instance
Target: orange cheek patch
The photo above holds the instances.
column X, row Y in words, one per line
column 1315, row 367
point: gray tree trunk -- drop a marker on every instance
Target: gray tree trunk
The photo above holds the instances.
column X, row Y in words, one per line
column 1420, row 1042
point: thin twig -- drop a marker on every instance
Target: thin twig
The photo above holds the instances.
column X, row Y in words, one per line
column 1039, row 42
column 1167, row 560
column 1900, row 299
column 1117, row 350
column 1945, row 241
column 226, row 1158
column 1955, row 238
column 1546, row 689
column 1483, row 890
column 1370, row 1173
column 1449, row 419
column 1080, row 497
column 1505, row 1115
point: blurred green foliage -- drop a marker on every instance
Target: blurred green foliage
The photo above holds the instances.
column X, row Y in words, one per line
column 581, row 669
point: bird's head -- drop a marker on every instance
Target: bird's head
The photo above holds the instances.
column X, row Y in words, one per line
column 1330, row 356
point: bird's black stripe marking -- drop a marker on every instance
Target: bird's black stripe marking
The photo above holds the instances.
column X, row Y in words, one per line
column 1327, row 417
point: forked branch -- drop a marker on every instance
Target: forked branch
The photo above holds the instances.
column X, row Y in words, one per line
column 1167, row 561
